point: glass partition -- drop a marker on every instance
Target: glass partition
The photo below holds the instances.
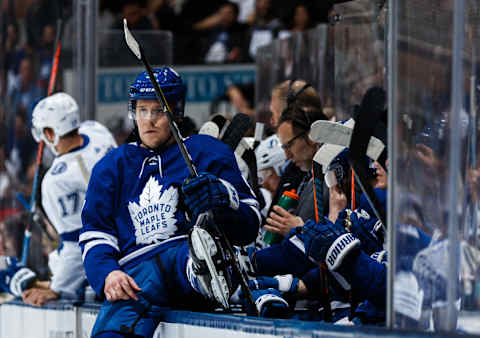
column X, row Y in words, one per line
column 118, row 67
column 420, row 204
column 114, row 52
column 359, row 53
column 466, row 234
column 300, row 56
column 434, row 167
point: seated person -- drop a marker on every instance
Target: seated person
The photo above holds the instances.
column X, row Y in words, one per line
column 77, row 147
column 271, row 161
column 141, row 250
column 289, row 257
column 293, row 129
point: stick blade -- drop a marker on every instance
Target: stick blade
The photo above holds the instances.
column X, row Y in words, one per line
column 131, row 42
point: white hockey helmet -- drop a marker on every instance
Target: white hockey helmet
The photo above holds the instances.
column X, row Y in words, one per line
column 59, row 112
column 271, row 155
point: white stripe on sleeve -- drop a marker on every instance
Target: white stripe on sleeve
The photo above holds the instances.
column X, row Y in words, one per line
column 88, row 235
column 250, row 201
column 96, row 242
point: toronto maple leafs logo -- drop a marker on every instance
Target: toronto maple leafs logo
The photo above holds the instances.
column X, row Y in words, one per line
column 154, row 216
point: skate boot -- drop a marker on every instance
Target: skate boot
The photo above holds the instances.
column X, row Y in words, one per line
column 209, row 265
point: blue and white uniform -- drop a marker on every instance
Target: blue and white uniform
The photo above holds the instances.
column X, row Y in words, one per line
column 133, row 217
column 63, row 191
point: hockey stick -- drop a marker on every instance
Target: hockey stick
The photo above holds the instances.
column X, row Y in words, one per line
column 41, row 145
column 259, row 127
column 318, row 204
column 138, row 51
column 38, row 219
column 474, row 195
column 237, row 128
column 372, row 106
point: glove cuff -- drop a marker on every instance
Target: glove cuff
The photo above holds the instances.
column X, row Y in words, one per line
column 268, row 298
column 232, row 194
column 20, row 281
column 342, row 246
column 286, row 283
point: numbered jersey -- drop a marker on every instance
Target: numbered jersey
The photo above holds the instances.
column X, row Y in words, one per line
column 65, row 183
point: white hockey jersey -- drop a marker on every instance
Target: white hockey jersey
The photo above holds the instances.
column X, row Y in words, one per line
column 63, row 194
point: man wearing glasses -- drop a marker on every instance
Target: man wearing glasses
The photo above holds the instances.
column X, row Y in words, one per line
column 292, row 129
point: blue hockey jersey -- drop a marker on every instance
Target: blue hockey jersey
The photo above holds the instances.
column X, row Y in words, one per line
column 133, row 208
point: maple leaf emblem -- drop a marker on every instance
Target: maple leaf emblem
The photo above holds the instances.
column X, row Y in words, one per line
column 154, row 215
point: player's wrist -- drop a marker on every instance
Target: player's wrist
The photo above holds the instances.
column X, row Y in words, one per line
column 36, row 283
column 112, row 274
column 301, row 288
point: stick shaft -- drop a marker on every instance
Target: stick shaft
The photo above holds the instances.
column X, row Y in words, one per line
column 193, row 172
column 53, row 74
column 318, row 203
column 352, row 189
column 173, row 127
column 41, row 144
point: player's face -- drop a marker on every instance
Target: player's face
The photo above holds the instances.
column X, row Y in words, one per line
column 382, row 178
column 152, row 123
column 296, row 145
column 276, row 108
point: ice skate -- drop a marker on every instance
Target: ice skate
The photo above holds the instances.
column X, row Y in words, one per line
column 210, row 265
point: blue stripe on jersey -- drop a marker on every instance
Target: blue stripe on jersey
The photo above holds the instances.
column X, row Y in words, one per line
column 71, row 236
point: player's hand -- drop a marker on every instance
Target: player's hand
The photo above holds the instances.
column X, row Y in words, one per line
column 282, row 283
column 367, row 229
column 328, row 242
column 281, row 221
column 427, row 156
column 14, row 276
column 208, row 192
column 337, row 202
column 39, row 296
column 269, row 303
column 119, row 285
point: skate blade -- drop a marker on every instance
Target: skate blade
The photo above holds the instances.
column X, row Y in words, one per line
column 201, row 241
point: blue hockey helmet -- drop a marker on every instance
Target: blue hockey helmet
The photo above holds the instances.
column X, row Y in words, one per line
column 169, row 81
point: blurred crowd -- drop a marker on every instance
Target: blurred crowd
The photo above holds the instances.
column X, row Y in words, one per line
column 218, row 31
column 27, row 34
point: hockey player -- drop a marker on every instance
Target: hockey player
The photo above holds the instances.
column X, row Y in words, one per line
column 271, row 161
column 77, row 147
column 140, row 207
